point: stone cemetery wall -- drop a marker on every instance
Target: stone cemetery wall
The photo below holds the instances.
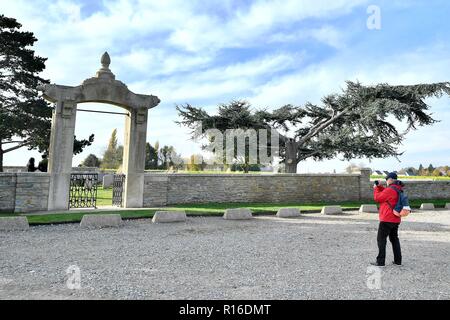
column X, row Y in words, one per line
column 428, row 190
column 7, row 192
column 155, row 190
column 24, row 192
column 28, row 192
column 425, row 189
column 12, row 169
column 168, row 189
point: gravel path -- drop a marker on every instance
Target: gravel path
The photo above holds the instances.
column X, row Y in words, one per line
column 311, row 257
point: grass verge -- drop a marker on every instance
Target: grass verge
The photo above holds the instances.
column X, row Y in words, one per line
column 210, row 209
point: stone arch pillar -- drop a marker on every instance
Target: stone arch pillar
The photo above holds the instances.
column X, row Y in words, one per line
column 103, row 88
column 134, row 157
column 61, row 153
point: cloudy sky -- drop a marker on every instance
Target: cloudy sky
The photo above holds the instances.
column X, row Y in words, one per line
column 268, row 52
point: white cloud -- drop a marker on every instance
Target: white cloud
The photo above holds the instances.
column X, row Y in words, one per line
column 327, row 34
column 248, row 27
column 221, row 82
column 155, row 62
column 329, row 76
column 73, row 42
column 173, row 49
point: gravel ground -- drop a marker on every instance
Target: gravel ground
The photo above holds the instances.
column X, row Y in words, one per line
column 311, row 257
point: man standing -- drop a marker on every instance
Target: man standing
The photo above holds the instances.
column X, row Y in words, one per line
column 43, row 165
column 389, row 222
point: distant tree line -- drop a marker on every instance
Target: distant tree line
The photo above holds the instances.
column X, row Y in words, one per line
column 156, row 158
column 427, row 171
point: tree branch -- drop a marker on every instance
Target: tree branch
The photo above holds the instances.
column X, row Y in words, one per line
column 309, row 155
column 320, row 126
column 7, row 142
column 16, row 147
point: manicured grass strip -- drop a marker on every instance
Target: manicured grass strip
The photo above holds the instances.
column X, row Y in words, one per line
column 439, row 203
column 77, row 216
column 104, row 196
column 412, row 177
column 259, row 207
column 210, row 209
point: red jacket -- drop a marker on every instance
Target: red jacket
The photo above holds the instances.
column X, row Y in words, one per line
column 384, row 195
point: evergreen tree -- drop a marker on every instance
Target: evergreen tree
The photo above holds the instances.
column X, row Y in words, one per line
column 25, row 118
column 112, row 158
column 351, row 124
column 151, row 157
column 168, row 158
column 119, row 156
column 165, row 157
column 421, row 173
column 91, row 161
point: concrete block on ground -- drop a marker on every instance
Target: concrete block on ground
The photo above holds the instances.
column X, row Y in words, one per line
column 14, row 224
column 288, row 213
column 98, row 221
column 108, row 181
column 368, row 208
column 332, row 210
column 238, row 214
column 169, row 216
column 427, row 206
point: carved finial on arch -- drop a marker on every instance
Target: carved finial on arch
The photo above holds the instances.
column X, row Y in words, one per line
column 105, row 72
column 105, row 60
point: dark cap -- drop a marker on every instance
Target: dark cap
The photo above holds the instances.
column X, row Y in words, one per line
column 392, row 175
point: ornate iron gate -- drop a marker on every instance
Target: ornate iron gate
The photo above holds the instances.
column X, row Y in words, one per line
column 83, row 190
column 118, row 188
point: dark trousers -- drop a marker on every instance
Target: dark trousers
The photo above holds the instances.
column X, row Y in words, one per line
column 388, row 229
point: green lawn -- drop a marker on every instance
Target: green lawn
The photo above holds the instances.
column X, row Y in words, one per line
column 76, row 217
column 413, row 178
column 104, row 197
column 212, row 209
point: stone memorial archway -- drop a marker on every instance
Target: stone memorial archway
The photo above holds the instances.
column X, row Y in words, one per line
column 102, row 88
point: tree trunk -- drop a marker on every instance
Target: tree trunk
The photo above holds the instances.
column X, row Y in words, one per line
column 246, row 166
column 291, row 156
column 1, row 157
column 291, row 167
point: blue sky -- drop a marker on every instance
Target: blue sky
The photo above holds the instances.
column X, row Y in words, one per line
column 268, row 52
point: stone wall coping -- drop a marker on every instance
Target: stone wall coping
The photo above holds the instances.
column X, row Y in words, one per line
column 250, row 175
column 33, row 174
column 417, row 181
column 8, row 174
column 24, row 174
column 425, row 181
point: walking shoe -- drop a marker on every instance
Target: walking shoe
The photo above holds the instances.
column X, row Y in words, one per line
column 396, row 264
column 377, row 264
